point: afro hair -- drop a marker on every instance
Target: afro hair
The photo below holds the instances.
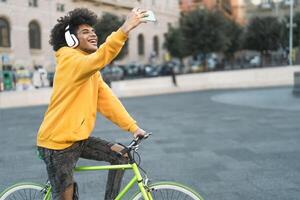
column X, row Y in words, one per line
column 74, row 18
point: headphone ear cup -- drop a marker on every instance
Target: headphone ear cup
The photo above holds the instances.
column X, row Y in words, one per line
column 76, row 41
column 70, row 41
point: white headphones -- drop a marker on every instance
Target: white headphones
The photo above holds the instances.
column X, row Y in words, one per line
column 71, row 39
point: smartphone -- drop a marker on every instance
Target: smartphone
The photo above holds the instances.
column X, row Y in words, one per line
column 151, row 16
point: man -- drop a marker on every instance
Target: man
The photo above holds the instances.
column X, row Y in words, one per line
column 36, row 78
column 78, row 93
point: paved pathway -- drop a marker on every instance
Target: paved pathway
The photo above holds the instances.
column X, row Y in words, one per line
column 228, row 145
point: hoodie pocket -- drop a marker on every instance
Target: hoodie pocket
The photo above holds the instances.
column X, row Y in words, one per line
column 76, row 130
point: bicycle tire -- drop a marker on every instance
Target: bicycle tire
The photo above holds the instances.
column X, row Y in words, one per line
column 170, row 191
column 30, row 191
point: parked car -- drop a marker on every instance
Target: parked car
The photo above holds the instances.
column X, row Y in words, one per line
column 255, row 61
column 168, row 68
column 132, row 70
column 151, row 70
column 112, row 73
column 212, row 63
column 197, row 67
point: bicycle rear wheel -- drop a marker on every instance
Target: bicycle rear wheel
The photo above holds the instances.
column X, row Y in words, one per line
column 31, row 191
column 170, row 191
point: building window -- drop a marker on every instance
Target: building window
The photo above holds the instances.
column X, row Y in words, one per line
column 141, row 45
column 60, row 7
column 156, row 45
column 34, row 35
column 33, row 3
column 4, row 33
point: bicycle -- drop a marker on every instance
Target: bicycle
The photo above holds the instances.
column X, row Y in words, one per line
column 147, row 191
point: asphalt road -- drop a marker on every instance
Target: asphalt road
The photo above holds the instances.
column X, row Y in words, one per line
column 228, row 145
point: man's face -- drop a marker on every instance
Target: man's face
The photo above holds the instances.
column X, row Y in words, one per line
column 87, row 38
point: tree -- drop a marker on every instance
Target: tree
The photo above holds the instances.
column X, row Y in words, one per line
column 203, row 31
column 175, row 43
column 263, row 35
column 105, row 26
column 234, row 33
column 296, row 30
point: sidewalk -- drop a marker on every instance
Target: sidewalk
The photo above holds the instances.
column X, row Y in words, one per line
column 246, row 78
column 25, row 98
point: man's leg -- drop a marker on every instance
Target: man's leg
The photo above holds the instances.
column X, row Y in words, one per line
column 68, row 193
column 114, row 181
column 60, row 165
column 101, row 150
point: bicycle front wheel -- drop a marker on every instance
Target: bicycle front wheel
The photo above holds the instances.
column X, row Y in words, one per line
column 20, row 191
column 170, row 191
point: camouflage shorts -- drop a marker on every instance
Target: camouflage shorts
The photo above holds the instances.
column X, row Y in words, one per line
column 61, row 163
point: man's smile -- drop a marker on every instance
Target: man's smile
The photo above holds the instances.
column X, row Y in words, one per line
column 93, row 41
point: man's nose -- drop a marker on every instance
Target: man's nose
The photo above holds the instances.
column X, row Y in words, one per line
column 93, row 34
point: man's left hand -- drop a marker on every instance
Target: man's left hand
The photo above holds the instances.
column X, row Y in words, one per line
column 139, row 133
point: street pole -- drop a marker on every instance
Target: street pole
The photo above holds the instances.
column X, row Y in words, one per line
column 291, row 32
column 276, row 8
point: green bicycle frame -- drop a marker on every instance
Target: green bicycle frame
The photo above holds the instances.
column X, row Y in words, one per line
column 48, row 194
column 137, row 178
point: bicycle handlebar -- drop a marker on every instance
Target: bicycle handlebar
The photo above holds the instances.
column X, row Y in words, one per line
column 134, row 144
column 136, row 141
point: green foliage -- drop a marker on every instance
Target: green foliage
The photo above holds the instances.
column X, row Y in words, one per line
column 175, row 43
column 105, row 26
column 203, row 31
column 263, row 34
column 296, row 30
column 234, row 33
column 286, row 30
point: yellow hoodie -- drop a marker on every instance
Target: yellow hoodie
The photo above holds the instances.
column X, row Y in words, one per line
column 79, row 92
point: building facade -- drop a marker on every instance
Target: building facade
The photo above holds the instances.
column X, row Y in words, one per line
column 275, row 8
column 234, row 9
column 25, row 27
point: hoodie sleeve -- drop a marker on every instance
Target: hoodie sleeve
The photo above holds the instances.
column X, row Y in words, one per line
column 111, row 107
column 83, row 66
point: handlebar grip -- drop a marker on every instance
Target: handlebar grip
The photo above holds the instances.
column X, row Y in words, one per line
column 147, row 135
column 143, row 137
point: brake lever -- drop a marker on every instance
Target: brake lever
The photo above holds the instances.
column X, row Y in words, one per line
column 135, row 148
